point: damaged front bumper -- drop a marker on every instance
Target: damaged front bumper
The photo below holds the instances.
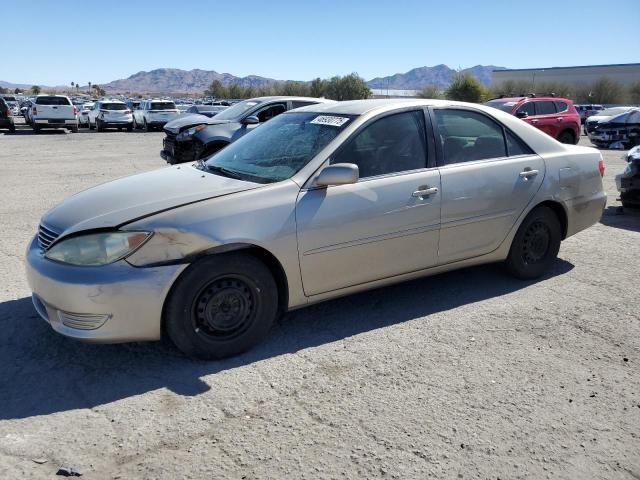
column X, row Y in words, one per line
column 628, row 182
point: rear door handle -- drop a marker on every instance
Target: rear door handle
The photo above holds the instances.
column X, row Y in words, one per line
column 425, row 192
column 528, row 173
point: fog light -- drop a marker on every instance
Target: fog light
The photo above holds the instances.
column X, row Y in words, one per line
column 83, row 321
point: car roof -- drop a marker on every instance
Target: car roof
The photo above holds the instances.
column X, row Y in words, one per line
column 360, row 107
column 290, row 97
column 519, row 99
column 112, row 101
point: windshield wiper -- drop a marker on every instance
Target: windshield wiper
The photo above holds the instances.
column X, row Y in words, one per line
column 223, row 171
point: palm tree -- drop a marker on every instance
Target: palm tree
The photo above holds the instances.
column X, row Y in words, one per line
column 89, row 88
column 35, row 89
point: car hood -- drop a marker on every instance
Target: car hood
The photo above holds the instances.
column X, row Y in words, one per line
column 122, row 201
column 185, row 121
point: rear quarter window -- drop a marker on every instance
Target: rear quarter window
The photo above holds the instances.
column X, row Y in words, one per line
column 561, row 106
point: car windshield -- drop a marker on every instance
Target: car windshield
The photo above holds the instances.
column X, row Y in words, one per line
column 232, row 113
column 501, row 105
column 163, row 106
column 608, row 112
column 9, row 98
column 52, row 101
column 278, row 149
column 113, row 106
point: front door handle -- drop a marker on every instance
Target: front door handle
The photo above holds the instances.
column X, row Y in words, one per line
column 425, row 192
column 528, row 173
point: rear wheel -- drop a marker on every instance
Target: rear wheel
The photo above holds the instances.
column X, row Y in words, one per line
column 221, row 306
column 536, row 244
column 99, row 126
column 567, row 137
column 12, row 128
column 130, row 127
column 36, row 129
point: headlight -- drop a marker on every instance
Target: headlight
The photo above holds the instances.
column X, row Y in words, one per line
column 97, row 249
column 190, row 132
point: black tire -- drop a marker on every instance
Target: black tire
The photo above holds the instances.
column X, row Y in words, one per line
column 36, row 129
column 567, row 137
column 221, row 306
column 535, row 247
column 130, row 128
column 74, row 129
column 135, row 124
column 147, row 127
column 91, row 127
column 99, row 126
column 12, row 128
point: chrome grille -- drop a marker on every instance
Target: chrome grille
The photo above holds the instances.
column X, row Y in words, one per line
column 46, row 237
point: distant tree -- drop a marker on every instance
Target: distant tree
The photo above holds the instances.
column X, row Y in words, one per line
column 35, row 89
column 216, row 89
column 466, row 88
column 18, row 91
column 89, row 88
column 430, row 91
column 605, row 90
column 72, row 85
column 511, row 88
column 634, row 93
column 317, row 88
column 349, row 87
column 3, row 90
column 99, row 91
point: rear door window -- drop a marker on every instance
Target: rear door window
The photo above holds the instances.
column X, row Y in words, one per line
column 466, row 136
column 52, row 101
column 545, row 107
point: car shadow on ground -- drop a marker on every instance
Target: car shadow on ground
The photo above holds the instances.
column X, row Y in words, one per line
column 624, row 218
column 43, row 372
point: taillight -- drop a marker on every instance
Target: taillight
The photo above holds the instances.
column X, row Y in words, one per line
column 75, row 110
column 601, row 166
column 127, row 111
column 35, row 110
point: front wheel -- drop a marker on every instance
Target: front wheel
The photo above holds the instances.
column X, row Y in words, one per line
column 147, row 127
column 536, row 244
column 99, row 126
column 567, row 137
column 221, row 306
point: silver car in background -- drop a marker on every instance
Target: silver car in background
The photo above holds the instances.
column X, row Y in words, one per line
column 319, row 202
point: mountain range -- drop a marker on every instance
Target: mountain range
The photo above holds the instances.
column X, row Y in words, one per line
column 174, row 80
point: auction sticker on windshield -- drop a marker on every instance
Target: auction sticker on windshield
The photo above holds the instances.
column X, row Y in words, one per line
column 330, row 120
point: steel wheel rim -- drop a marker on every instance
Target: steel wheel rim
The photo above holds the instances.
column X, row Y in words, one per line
column 224, row 308
column 536, row 243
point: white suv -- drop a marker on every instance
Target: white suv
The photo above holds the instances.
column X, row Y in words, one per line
column 154, row 114
column 110, row 114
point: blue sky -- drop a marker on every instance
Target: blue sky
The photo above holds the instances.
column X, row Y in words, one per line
column 59, row 41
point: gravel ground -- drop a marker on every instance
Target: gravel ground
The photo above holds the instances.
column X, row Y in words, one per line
column 469, row 374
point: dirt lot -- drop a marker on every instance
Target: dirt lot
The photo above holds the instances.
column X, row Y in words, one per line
column 465, row 375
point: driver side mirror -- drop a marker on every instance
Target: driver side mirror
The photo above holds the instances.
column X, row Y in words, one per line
column 521, row 114
column 338, row 174
column 251, row 120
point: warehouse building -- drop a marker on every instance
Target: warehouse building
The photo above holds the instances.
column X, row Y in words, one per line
column 624, row 73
